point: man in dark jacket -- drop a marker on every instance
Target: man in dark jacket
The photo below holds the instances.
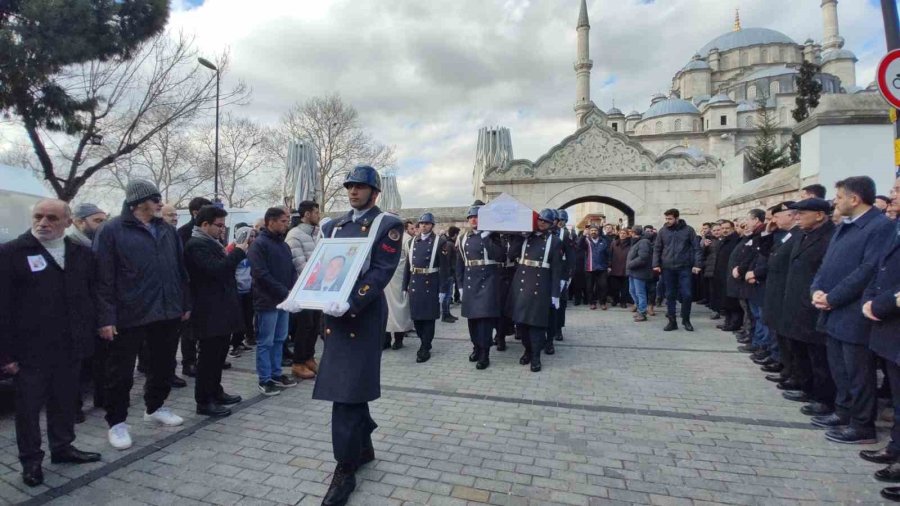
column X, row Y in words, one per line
column 618, row 280
column 217, row 307
column 569, row 257
column 596, row 266
column 424, row 275
column 639, row 272
column 729, row 241
column 677, row 256
column 710, row 244
column 142, row 296
column 752, row 290
column 186, row 336
column 47, row 326
column 272, row 269
column 837, row 290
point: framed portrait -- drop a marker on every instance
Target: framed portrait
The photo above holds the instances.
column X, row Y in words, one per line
column 331, row 272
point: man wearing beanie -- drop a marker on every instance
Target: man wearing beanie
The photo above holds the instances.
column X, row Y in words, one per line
column 86, row 221
column 142, row 295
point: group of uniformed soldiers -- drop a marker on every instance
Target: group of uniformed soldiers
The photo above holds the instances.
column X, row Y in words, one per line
column 510, row 284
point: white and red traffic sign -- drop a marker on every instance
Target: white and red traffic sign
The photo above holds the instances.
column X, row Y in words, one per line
column 889, row 77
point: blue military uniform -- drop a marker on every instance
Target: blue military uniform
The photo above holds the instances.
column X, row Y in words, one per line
column 478, row 269
column 425, row 273
column 534, row 286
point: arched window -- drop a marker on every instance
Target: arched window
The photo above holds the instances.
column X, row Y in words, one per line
column 751, row 92
column 774, row 88
column 748, row 122
column 658, row 127
column 645, row 130
column 677, row 125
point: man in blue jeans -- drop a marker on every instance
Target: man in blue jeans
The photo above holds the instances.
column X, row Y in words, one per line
column 677, row 254
column 273, row 273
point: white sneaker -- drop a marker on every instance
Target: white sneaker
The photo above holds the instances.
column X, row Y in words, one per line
column 119, row 437
column 164, row 416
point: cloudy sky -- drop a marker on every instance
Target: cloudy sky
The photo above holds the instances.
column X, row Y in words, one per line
column 425, row 75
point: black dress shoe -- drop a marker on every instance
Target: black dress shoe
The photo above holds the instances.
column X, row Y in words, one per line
column 890, row 474
column 448, row 319
column 852, row 436
column 748, row 348
column 535, row 366
column 796, row 396
column 760, row 355
column 687, row 325
column 828, row 421
column 212, row 409
column 550, row 350
column 474, row 355
column 482, row 364
column 672, row 325
column 189, row 370
column 789, row 385
column 422, row 356
column 73, row 455
column 743, row 340
column 891, row 493
column 776, row 367
column 343, row 482
column 816, row 409
column 177, row 382
column 775, row 378
column 882, row 456
column 525, row 359
column 398, row 344
column 32, row 474
column 227, row 400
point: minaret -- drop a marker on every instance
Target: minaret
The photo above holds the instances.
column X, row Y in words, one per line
column 737, row 21
column 583, row 66
column 831, row 36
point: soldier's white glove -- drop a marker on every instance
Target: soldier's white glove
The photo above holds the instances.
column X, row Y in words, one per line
column 460, row 294
column 555, row 302
column 290, row 305
column 562, row 285
column 336, row 309
column 441, row 298
column 485, row 235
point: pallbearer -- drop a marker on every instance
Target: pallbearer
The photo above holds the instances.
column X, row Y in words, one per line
column 478, row 269
column 567, row 238
column 505, row 325
column 536, row 287
column 426, row 272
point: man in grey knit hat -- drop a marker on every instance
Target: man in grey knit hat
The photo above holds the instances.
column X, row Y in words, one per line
column 142, row 296
column 86, row 221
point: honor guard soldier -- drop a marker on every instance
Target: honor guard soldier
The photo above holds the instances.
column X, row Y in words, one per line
column 567, row 237
column 350, row 370
column 536, row 287
column 505, row 325
column 426, row 272
column 478, row 269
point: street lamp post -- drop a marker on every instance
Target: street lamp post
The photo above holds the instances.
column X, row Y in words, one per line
column 208, row 64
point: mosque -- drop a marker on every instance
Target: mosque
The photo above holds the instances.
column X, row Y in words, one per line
column 707, row 120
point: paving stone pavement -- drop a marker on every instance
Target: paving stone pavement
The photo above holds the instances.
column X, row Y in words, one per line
column 622, row 414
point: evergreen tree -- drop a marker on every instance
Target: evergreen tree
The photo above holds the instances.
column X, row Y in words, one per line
column 809, row 90
column 766, row 155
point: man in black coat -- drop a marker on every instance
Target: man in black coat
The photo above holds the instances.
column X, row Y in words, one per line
column 729, row 305
column 426, row 272
column 752, row 289
column 677, row 257
column 811, row 375
column 217, row 307
column 142, row 296
column 536, row 287
column 188, row 342
column 567, row 243
column 47, row 326
column 350, row 371
column 479, row 262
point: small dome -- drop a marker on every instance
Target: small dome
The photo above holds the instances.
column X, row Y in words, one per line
column 670, row 106
column 722, row 99
column 633, row 114
column 838, row 54
column 697, row 65
column 614, row 112
column 808, row 42
column 746, row 37
column 699, row 99
column 656, row 97
column 746, row 107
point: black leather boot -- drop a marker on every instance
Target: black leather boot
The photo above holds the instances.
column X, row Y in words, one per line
column 672, row 325
column 474, row 355
column 343, row 482
column 686, row 323
column 484, row 359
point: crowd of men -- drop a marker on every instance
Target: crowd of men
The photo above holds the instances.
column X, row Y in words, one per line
column 809, row 288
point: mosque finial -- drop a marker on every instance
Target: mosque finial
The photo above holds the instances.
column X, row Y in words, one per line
column 737, row 20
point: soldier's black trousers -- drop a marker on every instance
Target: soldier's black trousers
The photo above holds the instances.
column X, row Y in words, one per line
column 480, row 330
column 351, row 432
column 425, row 331
column 50, row 383
column 533, row 339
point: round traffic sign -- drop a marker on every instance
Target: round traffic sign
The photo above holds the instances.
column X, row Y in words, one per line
column 889, row 77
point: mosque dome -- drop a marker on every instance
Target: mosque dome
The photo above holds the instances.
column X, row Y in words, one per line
column 721, row 98
column 614, row 112
column 670, row 106
column 744, row 38
column 838, row 54
column 656, row 97
column 697, row 65
column 633, row 114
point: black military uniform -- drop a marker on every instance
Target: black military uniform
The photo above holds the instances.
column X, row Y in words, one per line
column 535, row 288
column 478, row 267
column 350, row 371
column 426, row 272
column 567, row 240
